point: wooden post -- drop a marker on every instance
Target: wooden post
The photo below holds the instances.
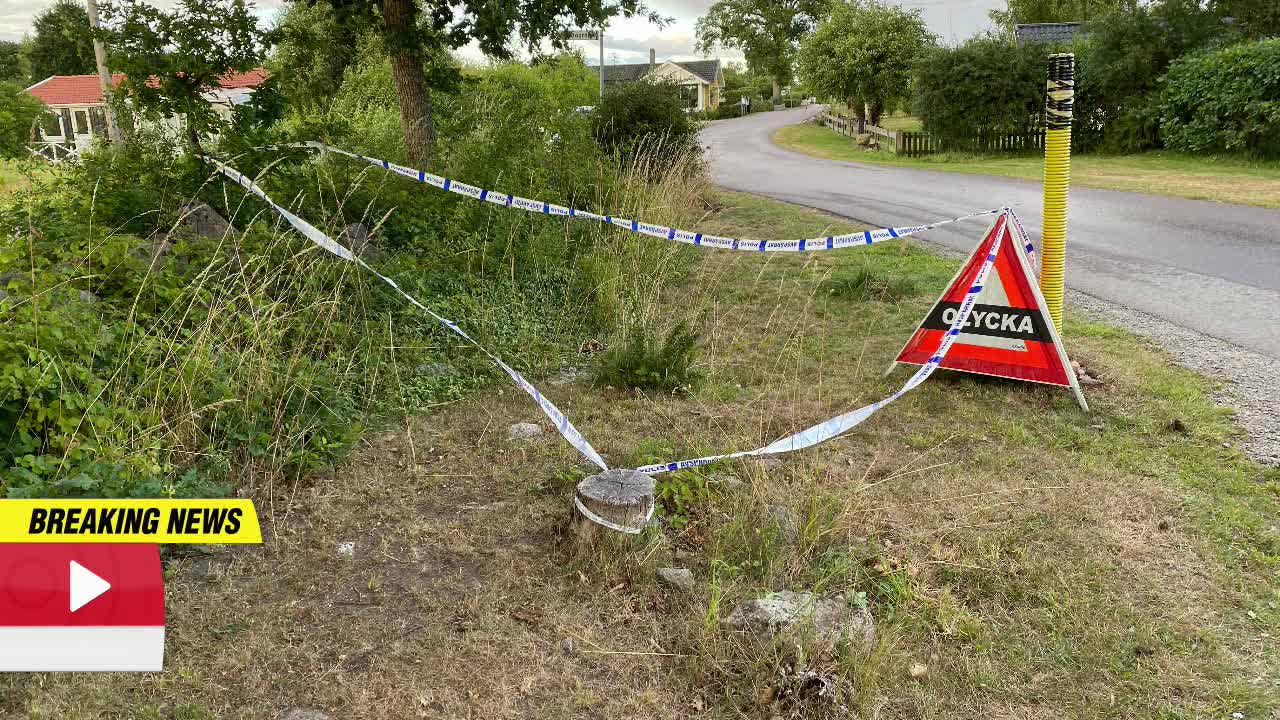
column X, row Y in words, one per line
column 617, row 500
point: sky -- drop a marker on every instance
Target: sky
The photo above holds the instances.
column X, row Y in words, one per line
column 626, row 40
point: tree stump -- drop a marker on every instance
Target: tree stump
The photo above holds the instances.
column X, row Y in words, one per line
column 619, row 500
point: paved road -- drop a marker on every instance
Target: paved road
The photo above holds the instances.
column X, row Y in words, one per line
column 1206, row 266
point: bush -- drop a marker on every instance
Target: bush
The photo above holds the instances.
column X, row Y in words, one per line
column 640, row 119
column 1120, row 65
column 642, row 362
column 1226, row 100
column 18, row 111
column 984, row 86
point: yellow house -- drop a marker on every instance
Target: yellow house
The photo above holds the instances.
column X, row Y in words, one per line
column 700, row 80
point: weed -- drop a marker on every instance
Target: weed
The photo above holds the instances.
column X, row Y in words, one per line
column 642, row 362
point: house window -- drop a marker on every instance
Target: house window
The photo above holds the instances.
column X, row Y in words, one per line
column 690, row 93
column 51, row 125
column 82, row 122
column 98, row 121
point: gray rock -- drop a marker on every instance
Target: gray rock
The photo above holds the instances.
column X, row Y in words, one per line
column 676, row 579
column 86, row 296
column 205, row 569
column 785, row 519
column 865, row 139
column 730, row 482
column 792, row 615
column 568, row 376
column 435, row 369
column 356, row 237
column 205, row 222
column 524, row 431
column 3, row 295
column 303, row 714
column 347, row 549
column 566, row 646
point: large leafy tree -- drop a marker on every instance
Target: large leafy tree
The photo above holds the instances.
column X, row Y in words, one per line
column 863, row 54
column 767, row 31
column 171, row 59
column 1122, row 65
column 18, row 114
column 315, row 49
column 63, row 43
column 419, row 34
column 12, row 62
column 1049, row 11
column 1257, row 18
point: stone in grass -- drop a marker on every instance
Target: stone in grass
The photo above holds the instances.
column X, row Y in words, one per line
column 730, row 482
column 203, row 221
column 785, row 519
column 524, row 431
column 676, row 578
column 303, row 714
column 795, row 616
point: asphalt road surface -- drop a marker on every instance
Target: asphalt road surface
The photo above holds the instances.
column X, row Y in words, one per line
column 1209, row 267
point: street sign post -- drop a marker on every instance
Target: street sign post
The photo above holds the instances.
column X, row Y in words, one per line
column 597, row 34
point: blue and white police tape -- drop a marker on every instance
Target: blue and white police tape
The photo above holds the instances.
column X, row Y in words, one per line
column 313, row 234
column 837, row 426
column 812, row 436
column 830, row 242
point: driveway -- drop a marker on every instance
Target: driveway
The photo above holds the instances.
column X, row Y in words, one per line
column 1210, row 267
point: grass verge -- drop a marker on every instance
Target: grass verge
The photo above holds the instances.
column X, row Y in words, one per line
column 1037, row 561
column 1225, row 179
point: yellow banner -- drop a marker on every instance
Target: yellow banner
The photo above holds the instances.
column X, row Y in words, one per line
column 205, row 522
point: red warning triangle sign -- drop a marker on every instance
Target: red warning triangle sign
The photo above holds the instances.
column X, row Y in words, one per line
column 1009, row 333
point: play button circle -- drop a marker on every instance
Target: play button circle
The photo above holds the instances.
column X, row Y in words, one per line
column 85, row 585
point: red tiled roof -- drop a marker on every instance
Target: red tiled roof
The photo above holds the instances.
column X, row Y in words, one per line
column 87, row 89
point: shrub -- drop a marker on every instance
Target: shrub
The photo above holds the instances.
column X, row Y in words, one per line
column 1225, row 100
column 643, row 118
column 18, row 111
column 642, row 362
column 984, row 86
column 1120, row 64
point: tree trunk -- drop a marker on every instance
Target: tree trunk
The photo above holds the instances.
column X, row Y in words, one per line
column 411, row 84
column 858, row 108
column 877, row 109
column 777, row 92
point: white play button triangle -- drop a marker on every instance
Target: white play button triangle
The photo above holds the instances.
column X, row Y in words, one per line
column 85, row 586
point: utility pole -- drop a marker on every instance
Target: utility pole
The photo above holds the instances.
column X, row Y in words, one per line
column 104, row 75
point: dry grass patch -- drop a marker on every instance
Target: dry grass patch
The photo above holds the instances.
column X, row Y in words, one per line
column 1039, row 562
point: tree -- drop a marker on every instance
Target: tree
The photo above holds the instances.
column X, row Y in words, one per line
column 1122, row 64
column 171, row 59
column 1257, row 18
column 18, row 113
column 419, row 34
column 987, row 85
column 767, row 31
column 314, row 50
column 863, row 54
column 1050, row 11
column 12, row 62
column 63, row 43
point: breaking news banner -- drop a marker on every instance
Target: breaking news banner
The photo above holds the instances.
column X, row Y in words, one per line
column 77, row 607
column 204, row 522
column 81, row 585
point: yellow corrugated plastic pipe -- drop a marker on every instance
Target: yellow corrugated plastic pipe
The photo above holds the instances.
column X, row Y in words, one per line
column 1059, row 100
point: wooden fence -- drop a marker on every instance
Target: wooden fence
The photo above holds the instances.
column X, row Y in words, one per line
column 915, row 144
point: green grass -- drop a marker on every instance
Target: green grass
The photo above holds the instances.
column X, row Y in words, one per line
column 1042, row 562
column 16, row 174
column 1226, row 179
